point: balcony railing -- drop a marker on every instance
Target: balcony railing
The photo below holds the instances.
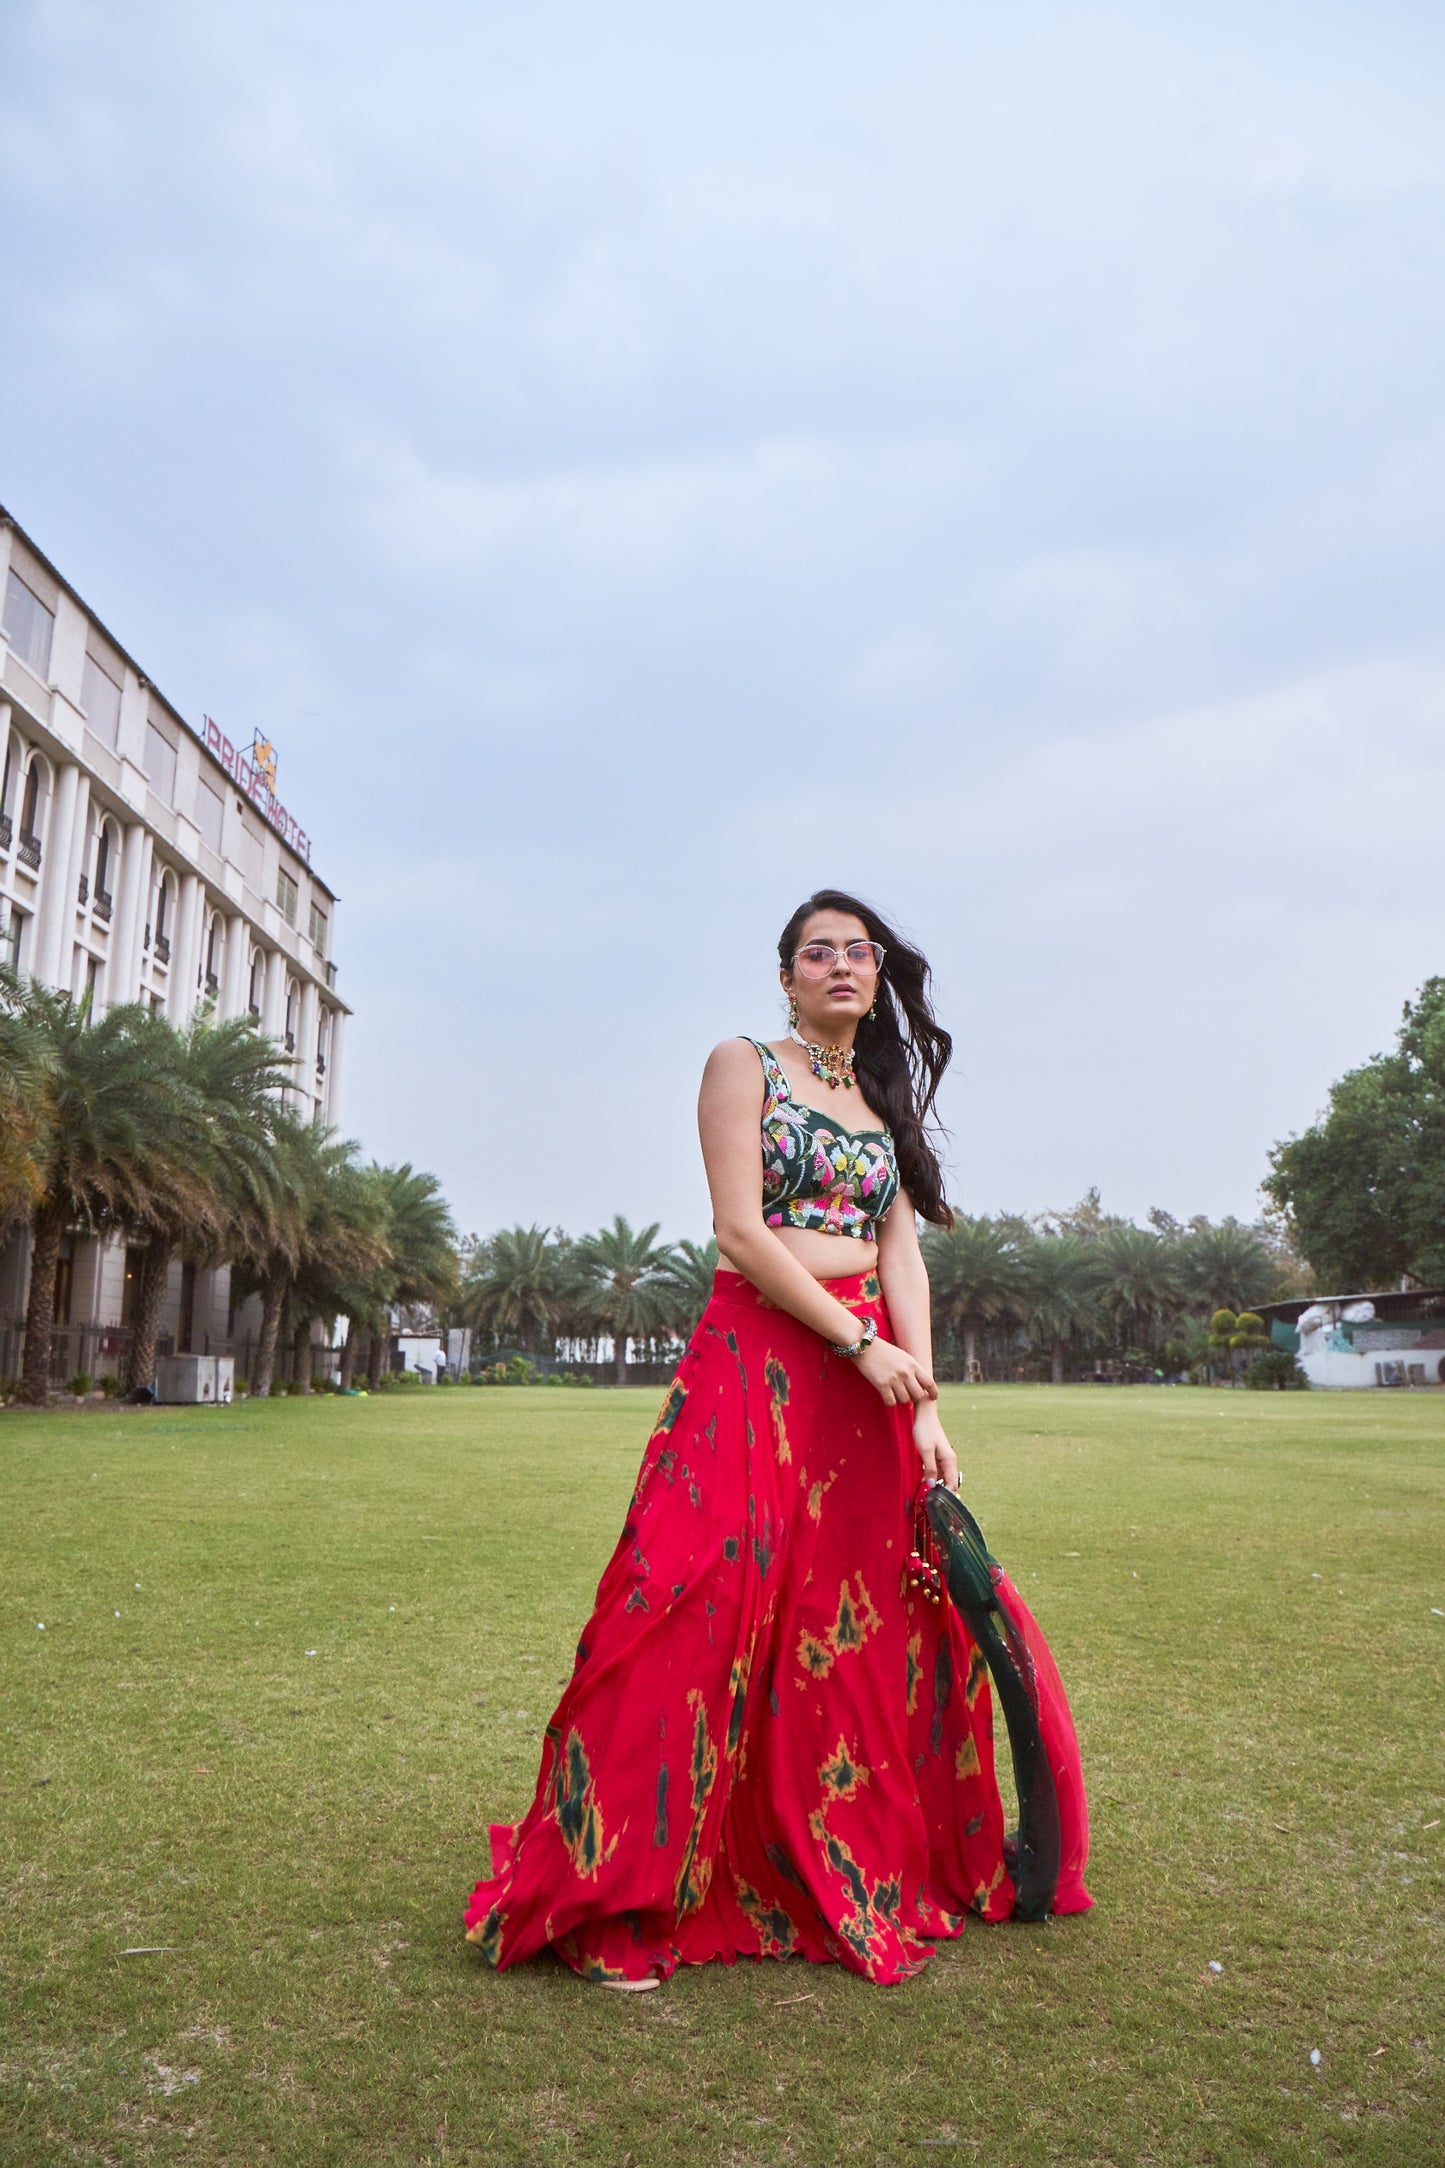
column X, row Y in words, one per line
column 290, row 1042
column 29, row 850
column 253, row 1010
column 6, row 831
column 103, row 905
column 82, row 893
column 163, row 948
column 213, row 984
column 321, row 1065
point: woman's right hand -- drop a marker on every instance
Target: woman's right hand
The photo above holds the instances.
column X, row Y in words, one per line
column 894, row 1374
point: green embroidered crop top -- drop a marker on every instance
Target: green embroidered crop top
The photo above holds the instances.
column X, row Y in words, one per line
column 815, row 1174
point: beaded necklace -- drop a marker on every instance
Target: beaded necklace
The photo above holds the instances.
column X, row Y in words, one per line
column 832, row 1065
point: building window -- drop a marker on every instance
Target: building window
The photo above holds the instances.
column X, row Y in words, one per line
column 186, row 1321
column 10, row 939
column 29, row 625
column 92, row 982
column 213, row 956
column 100, row 698
column 288, row 895
column 162, row 942
column 102, row 863
column 316, row 928
column 65, row 1281
column 293, row 1014
column 209, row 814
column 160, row 763
column 258, row 982
column 30, row 816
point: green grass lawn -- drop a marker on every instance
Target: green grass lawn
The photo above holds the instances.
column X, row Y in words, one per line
column 342, row 1623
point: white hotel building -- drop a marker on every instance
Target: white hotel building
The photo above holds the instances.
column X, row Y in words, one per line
column 143, row 861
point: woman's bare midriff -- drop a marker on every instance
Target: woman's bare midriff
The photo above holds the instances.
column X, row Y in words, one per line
column 827, row 1257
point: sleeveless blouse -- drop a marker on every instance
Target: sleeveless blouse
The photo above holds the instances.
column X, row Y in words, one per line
column 816, row 1174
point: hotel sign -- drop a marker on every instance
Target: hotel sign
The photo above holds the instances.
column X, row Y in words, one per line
column 254, row 772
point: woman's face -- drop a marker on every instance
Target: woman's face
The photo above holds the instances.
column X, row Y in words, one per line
column 845, row 991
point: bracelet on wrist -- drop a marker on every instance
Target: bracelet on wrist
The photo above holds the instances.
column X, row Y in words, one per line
column 850, row 1348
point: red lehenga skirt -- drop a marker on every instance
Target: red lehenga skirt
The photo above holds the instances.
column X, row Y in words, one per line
column 770, row 1746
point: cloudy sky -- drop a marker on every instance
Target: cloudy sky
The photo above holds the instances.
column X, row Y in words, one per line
column 641, row 467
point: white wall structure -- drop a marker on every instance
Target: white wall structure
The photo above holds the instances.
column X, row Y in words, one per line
column 143, row 860
column 1357, row 1342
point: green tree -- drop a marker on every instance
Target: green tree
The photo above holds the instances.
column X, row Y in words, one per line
column 345, row 1241
column 302, row 1246
column 1363, row 1190
column 27, row 1063
column 103, row 1163
column 979, row 1276
column 517, row 1286
column 623, row 1276
column 1233, row 1336
column 688, row 1284
column 420, row 1264
column 1228, row 1266
column 221, row 1086
column 1062, row 1292
column 1138, row 1280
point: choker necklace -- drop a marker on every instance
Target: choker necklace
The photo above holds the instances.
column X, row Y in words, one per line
column 832, row 1065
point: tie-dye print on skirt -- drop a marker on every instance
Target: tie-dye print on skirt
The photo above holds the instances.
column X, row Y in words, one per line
column 769, row 1746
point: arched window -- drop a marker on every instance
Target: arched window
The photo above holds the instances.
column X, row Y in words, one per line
column 36, row 777
column 107, row 851
column 323, row 1042
column 258, row 981
column 293, row 1014
column 214, row 940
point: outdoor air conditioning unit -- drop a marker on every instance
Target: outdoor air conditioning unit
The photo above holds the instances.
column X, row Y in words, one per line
column 189, row 1380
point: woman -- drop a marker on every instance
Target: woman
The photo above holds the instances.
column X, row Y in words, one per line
column 772, row 1743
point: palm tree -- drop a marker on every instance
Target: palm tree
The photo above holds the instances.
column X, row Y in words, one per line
column 1138, row 1279
column 27, row 1060
column 420, row 1266
column 516, row 1286
column 306, row 1243
column 223, row 1085
column 1062, row 1289
column 1228, row 1267
column 623, row 1275
column 104, row 1161
column 978, row 1273
column 344, row 1242
column 688, row 1284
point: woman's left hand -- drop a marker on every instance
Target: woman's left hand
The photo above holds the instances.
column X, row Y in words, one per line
column 939, row 1461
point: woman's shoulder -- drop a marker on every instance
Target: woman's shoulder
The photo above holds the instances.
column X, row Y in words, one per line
column 741, row 1063
column 742, row 1053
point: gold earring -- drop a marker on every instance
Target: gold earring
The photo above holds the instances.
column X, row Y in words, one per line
column 792, row 1014
column 873, row 1014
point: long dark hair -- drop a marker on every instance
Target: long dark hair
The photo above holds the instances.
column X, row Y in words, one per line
column 899, row 1055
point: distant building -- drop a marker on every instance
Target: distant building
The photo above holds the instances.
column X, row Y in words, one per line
column 1348, row 1342
column 143, row 860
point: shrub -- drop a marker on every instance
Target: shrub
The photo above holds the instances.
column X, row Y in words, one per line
column 80, row 1384
column 1275, row 1372
column 445, row 1378
column 110, row 1386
